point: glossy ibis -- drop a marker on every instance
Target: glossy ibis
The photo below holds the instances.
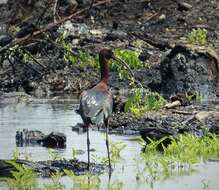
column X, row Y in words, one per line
column 96, row 104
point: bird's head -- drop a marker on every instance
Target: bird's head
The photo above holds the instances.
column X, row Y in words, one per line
column 106, row 54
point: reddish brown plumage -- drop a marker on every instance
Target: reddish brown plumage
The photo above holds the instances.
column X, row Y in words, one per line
column 104, row 56
column 96, row 104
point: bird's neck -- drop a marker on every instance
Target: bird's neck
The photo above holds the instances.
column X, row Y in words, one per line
column 104, row 70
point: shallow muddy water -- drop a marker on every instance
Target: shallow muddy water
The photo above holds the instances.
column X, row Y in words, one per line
column 60, row 117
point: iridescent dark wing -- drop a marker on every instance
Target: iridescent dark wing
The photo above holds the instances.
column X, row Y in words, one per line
column 95, row 106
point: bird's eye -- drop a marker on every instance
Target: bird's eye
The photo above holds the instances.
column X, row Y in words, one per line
column 109, row 54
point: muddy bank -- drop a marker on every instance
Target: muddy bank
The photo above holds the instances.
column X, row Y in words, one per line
column 164, row 123
column 195, row 117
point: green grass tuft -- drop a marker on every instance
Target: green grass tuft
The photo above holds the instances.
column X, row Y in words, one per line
column 197, row 36
column 142, row 101
column 179, row 157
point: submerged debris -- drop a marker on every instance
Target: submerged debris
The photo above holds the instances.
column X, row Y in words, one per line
column 47, row 168
column 35, row 137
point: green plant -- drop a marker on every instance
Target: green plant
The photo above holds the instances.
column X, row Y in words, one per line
column 84, row 182
column 75, row 153
column 53, row 154
column 205, row 184
column 197, row 36
column 179, row 156
column 142, row 101
column 16, row 154
column 86, row 58
column 115, row 152
column 115, row 186
column 195, row 96
column 55, row 183
column 83, row 59
column 22, row 179
column 131, row 58
column 25, row 55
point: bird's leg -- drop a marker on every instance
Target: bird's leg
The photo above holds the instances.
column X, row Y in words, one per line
column 107, row 142
column 88, row 148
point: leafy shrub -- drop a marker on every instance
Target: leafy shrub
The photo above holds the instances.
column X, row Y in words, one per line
column 179, row 156
column 142, row 101
column 197, row 36
column 23, row 179
column 131, row 58
column 83, row 59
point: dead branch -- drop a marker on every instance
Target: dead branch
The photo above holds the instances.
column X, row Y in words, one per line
column 54, row 10
column 184, row 112
column 27, row 66
column 34, row 59
column 190, row 118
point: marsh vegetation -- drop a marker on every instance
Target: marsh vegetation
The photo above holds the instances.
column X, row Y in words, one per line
column 165, row 122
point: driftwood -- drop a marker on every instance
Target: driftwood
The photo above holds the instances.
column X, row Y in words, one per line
column 183, row 112
column 173, row 104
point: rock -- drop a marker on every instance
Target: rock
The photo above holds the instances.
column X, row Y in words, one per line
column 25, row 30
column 28, row 137
column 119, row 103
column 162, row 17
column 5, row 39
column 14, row 97
column 145, row 55
column 202, row 116
column 74, row 29
column 113, row 35
column 190, row 69
column 54, row 140
column 67, row 7
column 3, row 2
column 73, row 2
column 34, row 137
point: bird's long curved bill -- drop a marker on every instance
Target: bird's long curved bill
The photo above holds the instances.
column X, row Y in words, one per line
column 123, row 63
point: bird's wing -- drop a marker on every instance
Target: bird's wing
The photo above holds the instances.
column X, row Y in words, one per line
column 93, row 103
